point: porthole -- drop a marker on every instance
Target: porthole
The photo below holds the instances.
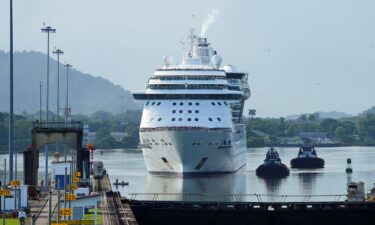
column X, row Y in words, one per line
column 190, row 103
column 180, row 111
column 189, row 111
column 225, row 103
column 189, row 119
column 147, row 103
column 193, row 144
column 162, row 140
column 174, row 103
column 153, row 103
column 218, row 119
column 179, row 119
column 213, row 103
column 219, row 103
column 173, row 111
column 159, row 119
column 173, row 119
column 158, row 103
column 181, row 103
column 170, row 143
column 196, row 111
column 196, row 119
column 197, row 103
column 210, row 119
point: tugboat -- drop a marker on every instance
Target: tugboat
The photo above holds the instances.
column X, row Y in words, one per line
column 307, row 158
column 272, row 166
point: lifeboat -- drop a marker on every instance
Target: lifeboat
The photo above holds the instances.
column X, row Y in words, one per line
column 272, row 166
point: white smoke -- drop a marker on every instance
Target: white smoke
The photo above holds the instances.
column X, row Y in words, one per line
column 211, row 17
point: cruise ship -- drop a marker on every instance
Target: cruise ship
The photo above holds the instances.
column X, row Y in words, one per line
column 192, row 116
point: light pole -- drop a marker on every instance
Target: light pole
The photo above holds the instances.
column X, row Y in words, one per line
column 47, row 30
column 67, row 102
column 58, row 52
column 11, row 94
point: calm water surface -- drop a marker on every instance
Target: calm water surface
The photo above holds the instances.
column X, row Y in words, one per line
column 129, row 166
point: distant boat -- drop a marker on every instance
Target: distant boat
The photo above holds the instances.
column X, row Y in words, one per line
column 272, row 166
column 307, row 158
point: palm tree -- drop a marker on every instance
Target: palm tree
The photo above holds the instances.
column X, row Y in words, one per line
column 252, row 112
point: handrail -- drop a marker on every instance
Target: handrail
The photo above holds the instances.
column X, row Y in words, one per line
column 41, row 209
column 237, row 197
column 44, row 124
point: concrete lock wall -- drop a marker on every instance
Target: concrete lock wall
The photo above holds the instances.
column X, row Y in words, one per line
column 45, row 136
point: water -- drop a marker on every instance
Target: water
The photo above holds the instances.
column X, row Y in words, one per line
column 128, row 165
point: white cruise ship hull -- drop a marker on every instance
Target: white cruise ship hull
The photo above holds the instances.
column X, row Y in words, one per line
column 193, row 152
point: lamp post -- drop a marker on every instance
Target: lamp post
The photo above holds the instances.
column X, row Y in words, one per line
column 67, row 104
column 11, row 94
column 47, row 30
column 58, row 52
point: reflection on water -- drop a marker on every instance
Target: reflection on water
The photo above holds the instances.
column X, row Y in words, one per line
column 129, row 166
column 207, row 188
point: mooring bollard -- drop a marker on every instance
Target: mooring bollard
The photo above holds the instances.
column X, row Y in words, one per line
column 33, row 219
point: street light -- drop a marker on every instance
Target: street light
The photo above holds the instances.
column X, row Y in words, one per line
column 58, row 52
column 47, row 30
column 66, row 104
column 11, row 94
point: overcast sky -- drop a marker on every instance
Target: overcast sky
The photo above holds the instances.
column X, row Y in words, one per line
column 302, row 56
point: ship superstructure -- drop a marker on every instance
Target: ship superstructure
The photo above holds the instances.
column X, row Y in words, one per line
column 192, row 115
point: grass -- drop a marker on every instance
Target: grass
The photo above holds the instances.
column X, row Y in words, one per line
column 14, row 221
column 90, row 216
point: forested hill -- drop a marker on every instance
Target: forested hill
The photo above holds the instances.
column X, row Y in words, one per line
column 88, row 93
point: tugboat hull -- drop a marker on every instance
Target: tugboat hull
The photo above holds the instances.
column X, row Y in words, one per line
column 272, row 170
column 307, row 163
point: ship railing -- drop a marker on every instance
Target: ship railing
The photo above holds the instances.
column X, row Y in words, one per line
column 185, row 128
column 259, row 198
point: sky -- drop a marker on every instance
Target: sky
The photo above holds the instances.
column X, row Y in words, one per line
column 302, row 56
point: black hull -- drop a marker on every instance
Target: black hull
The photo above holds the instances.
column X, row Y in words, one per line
column 272, row 170
column 307, row 163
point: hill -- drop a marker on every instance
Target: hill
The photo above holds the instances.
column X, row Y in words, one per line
column 323, row 115
column 87, row 93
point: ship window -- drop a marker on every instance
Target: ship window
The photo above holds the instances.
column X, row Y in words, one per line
column 196, row 119
column 213, row 103
column 196, row 111
column 190, row 103
column 225, row 103
column 153, row 140
column 198, row 143
column 189, row 111
column 180, row 111
column 193, row 144
column 162, row 140
column 147, row 103
column 209, row 143
column 210, row 119
column 158, row 103
column 174, row 103
column 181, row 103
column 218, row 119
column 173, row 111
column 179, row 119
column 173, row 119
column 153, row 103
column 170, row 143
column 159, row 119
column 152, row 118
column 189, row 119
column 219, row 103
column 197, row 103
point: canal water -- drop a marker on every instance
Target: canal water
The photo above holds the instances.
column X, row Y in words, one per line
column 128, row 165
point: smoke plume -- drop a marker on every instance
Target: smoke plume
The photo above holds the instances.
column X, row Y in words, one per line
column 211, row 17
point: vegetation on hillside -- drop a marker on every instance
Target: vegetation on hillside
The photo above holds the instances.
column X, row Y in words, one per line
column 358, row 130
